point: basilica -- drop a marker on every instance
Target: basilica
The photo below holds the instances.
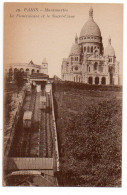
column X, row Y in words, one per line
column 89, row 62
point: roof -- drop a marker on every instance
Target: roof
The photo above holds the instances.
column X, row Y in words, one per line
column 90, row 27
column 30, row 163
column 75, row 50
column 100, row 58
column 42, row 98
column 109, row 50
column 39, row 75
column 31, row 180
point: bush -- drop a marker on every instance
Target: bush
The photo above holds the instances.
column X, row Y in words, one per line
column 67, row 85
column 92, row 147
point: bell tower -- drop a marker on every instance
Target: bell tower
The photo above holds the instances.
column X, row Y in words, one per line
column 44, row 66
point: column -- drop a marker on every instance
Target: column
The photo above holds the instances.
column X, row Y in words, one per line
column 107, row 80
column 100, row 78
column 93, row 80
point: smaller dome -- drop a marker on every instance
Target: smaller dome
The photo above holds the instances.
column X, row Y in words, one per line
column 75, row 50
column 109, row 50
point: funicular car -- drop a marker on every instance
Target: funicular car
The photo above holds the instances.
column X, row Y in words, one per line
column 27, row 119
column 43, row 102
column 48, row 87
column 38, row 87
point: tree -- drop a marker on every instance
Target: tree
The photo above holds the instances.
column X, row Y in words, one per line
column 19, row 75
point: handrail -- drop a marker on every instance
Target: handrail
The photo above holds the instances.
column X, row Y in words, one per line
column 55, row 134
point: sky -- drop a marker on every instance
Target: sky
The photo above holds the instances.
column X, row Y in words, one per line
column 49, row 36
column 109, row 19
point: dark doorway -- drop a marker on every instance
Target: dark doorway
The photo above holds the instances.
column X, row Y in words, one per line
column 90, row 80
column 76, row 78
column 111, row 79
column 97, row 80
column 111, row 71
column 103, row 81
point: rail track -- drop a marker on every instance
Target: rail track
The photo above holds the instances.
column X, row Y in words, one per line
column 37, row 141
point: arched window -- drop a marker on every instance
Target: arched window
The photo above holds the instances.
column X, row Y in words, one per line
column 74, row 79
column 10, row 70
column 27, row 70
column 88, row 49
column 90, row 80
column 84, row 49
column 103, row 81
column 15, row 70
column 89, row 68
column 76, row 58
column 32, row 71
column 76, row 68
column 21, row 70
column 96, row 80
column 79, row 79
column 92, row 49
column 95, row 66
column 37, row 71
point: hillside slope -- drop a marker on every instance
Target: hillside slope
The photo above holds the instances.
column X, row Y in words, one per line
column 89, row 133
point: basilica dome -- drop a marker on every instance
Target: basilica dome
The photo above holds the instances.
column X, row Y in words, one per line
column 90, row 27
column 109, row 50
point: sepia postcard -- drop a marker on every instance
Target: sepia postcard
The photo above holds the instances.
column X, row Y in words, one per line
column 63, row 94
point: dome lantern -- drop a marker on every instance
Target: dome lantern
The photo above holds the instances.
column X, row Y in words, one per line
column 91, row 12
column 90, row 28
column 109, row 40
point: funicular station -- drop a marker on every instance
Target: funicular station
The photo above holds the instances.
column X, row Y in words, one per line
column 33, row 158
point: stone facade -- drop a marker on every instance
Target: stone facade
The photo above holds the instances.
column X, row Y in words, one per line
column 88, row 61
column 27, row 68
